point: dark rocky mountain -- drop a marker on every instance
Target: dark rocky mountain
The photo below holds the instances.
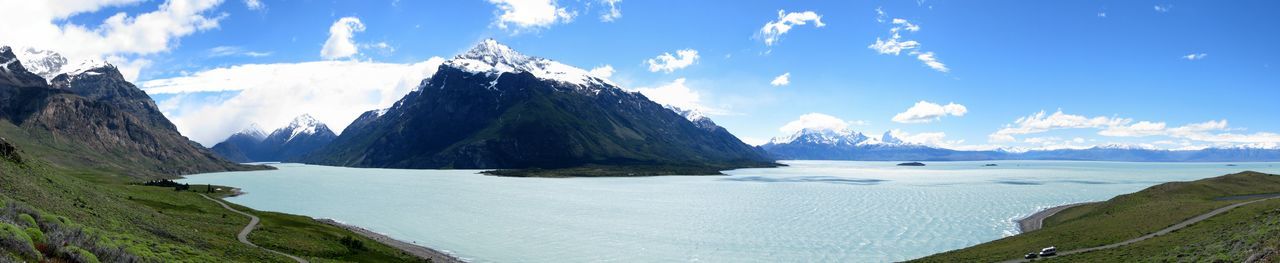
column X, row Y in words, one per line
column 492, row 107
column 849, row 145
column 303, row 135
column 92, row 114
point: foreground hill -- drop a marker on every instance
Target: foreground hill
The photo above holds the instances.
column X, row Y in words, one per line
column 1247, row 232
column 492, row 107
column 91, row 117
column 302, row 136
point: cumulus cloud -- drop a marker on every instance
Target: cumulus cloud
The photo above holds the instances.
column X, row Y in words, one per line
column 895, row 44
column 925, row 112
column 1216, row 132
column 781, row 80
column 1195, row 56
column 122, row 39
column 679, row 95
column 520, row 15
column 817, row 121
column 773, row 30
column 208, row 106
column 669, row 63
column 340, row 45
column 614, row 11
column 603, row 72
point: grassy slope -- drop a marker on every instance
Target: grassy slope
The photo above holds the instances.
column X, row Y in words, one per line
column 161, row 225
column 1121, row 218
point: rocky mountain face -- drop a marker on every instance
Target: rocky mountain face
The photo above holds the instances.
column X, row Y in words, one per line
column 92, row 117
column 302, row 136
column 816, row 144
column 492, row 107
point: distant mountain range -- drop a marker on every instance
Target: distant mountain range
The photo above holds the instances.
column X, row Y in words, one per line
column 493, row 107
column 825, row 144
column 86, row 115
column 302, row 136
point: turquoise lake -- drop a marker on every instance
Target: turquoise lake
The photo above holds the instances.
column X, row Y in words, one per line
column 829, row 211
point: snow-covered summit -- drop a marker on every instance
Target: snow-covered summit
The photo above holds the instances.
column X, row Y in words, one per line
column 845, row 137
column 48, row 64
column 304, row 124
column 491, row 57
column 253, row 131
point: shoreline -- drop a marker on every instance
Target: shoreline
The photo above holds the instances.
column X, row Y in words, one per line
column 1035, row 221
column 413, row 249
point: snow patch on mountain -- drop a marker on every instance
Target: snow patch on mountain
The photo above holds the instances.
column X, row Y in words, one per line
column 46, row 63
column 493, row 58
column 302, row 125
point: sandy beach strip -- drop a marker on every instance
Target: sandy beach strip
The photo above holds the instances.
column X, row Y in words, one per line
column 1036, row 221
column 413, row 249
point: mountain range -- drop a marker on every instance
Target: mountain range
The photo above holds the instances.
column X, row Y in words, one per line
column 828, row 144
column 494, row 108
column 302, row 136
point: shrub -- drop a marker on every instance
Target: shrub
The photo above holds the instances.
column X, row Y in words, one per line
column 27, row 220
column 36, row 235
column 352, row 243
column 15, row 239
column 77, row 254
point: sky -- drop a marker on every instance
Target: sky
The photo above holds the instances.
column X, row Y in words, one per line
column 956, row 74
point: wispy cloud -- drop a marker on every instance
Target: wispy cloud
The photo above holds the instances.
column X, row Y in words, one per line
column 225, row 51
column 773, row 30
column 613, row 13
column 1214, row 131
column 1162, row 8
column 895, row 43
column 1195, row 56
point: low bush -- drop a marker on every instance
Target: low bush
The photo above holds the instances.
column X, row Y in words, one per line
column 15, row 240
column 35, row 234
column 77, row 254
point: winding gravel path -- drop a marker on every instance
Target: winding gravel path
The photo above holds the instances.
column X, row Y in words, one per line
column 253, row 223
column 1167, row 230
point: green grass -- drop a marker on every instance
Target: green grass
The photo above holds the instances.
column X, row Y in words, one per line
column 1121, row 218
column 159, row 224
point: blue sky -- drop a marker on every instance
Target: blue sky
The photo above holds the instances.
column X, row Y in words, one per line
column 1119, row 71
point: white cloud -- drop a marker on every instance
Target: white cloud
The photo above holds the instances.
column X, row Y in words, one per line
column 603, row 72
column 679, row 95
column 925, row 112
column 529, row 14
column 1162, row 8
column 1102, row 14
column 339, row 45
column 817, row 121
column 1041, row 122
column 614, row 11
column 668, row 63
column 932, row 62
column 225, row 51
column 1216, row 132
column 255, row 5
column 127, row 38
column 773, row 30
column 1195, row 56
column 753, row 141
column 895, row 43
column 207, row 106
column 781, row 80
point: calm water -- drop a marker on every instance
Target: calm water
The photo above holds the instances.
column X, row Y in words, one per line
column 810, row 211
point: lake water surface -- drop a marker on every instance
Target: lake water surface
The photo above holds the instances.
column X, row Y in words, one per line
column 834, row 211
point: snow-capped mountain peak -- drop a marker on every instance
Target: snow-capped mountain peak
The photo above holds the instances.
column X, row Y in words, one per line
column 253, row 131
column 491, row 57
column 843, row 137
column 46, row 63
column 304, row 124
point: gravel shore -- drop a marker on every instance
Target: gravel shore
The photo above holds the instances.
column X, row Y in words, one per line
column 1035, row 221
column 416, row 250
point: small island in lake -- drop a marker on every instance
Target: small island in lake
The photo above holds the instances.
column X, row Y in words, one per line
column 911, row 164
column 990, row 165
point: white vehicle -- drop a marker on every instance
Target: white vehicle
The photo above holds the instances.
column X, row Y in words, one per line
column 1048, row 251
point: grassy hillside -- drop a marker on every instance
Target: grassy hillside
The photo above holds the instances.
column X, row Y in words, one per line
column 110, row 212
column 1129, row 216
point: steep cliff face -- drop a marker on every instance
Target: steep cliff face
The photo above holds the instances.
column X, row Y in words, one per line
column 495, row 108
column 93, row 117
